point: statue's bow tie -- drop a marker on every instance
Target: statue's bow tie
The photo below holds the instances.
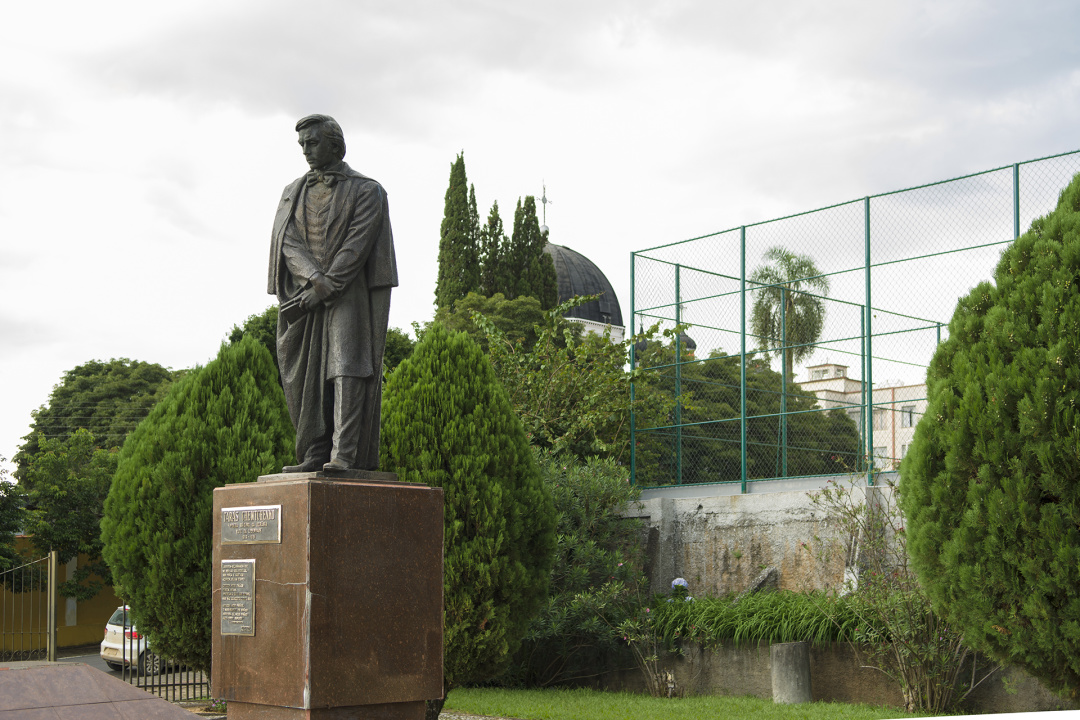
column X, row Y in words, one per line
column 329, row 177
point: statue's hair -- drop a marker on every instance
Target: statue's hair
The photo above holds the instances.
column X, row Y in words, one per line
column 329, row 127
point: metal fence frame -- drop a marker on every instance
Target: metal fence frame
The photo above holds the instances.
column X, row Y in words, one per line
column 28, row 632
column 165, row 678
column 671, row 312
column 28, row 610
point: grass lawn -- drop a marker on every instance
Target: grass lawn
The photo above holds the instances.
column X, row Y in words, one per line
column 595, row 705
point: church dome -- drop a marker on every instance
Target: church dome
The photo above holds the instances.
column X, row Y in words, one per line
column 577, row 275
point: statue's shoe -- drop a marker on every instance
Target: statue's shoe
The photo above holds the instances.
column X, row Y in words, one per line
column 337, row 464
column 306, row 466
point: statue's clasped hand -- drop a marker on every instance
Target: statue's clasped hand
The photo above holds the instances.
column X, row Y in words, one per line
column 319, row 291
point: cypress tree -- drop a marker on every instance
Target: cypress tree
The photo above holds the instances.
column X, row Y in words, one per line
column 492, row 245
column 448, row 422
column 459, row 267
column 224, row 423
column 991, row 485
column 526, row 268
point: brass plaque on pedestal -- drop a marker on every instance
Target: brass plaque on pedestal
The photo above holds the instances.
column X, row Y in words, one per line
column 251, row 525
column 238, row 597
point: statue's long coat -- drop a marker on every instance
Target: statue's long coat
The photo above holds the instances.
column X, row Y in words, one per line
column 347, row 334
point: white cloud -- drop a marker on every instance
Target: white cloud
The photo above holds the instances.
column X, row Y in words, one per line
column 145, row 145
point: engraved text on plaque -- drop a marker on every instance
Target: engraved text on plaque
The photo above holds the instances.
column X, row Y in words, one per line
column 251, row 525
column 238, row 597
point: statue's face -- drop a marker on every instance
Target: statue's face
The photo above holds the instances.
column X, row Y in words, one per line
column 318, row 150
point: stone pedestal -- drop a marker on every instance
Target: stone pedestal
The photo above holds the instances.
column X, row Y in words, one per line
column 343, row 616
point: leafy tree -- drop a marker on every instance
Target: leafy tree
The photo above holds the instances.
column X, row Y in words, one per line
column 571, row 391
column 224, row 423
column 989, row 486
column 525, row 269
column 262, row 327
column 108, row 399
column 448, row 422
column 818, row 443
column 11, row 519
column 493, row 243
column 459, row 269
column 517, row 319
column 398, row 347
column 68, row 480
column 790, row 284
column 567, row 641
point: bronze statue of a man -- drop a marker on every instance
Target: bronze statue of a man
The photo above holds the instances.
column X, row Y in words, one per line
column 332, row 266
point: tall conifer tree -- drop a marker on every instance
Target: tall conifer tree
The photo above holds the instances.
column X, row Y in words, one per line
column 448, row 422
column 224, row 423
column 459, row 267
column 527, row 269
column 991, row 485
column 492, row 246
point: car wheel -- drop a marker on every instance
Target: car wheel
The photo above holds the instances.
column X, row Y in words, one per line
column 150, row 663
column 114, row 666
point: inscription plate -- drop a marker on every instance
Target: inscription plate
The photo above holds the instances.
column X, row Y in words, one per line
column 251, row 525
column 238, row 597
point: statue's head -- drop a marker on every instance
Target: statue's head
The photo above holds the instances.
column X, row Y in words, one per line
column 321, row 140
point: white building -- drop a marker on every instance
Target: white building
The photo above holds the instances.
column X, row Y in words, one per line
column 897, row 408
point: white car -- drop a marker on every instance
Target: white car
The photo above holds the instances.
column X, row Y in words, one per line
column 123, row 645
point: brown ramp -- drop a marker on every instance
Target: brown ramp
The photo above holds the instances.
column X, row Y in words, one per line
column 73, row 691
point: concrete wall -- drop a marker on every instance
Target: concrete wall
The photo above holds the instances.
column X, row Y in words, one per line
column 837, row 674
column 721, row 540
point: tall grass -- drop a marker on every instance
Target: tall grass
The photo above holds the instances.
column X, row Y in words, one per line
column 581, row 704
column 762, row 617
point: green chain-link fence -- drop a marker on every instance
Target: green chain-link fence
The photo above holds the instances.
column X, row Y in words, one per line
column 894, row 265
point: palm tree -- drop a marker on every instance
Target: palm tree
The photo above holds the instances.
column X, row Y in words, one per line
column 788, row 316
column 789, row 293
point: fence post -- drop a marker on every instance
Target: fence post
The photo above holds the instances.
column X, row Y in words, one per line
column 862, row 398
column 868, row 377
column 742, row 354
column 1016, row 200
column 633, row 367
column 678, row 378
column 783, row 379
column 51, row 605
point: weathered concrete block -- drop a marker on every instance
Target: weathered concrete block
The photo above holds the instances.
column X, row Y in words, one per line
column 790, row 663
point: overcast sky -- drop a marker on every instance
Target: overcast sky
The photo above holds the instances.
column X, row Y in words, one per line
column 144, row 146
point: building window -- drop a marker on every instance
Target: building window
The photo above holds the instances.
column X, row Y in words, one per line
column 879, row 419
column 903, row 451
column 819, row 374
column 856, row 417
column 840, row 372
column 880, row 458
column 907, row 416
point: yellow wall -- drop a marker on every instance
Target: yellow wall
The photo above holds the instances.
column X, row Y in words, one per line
column 24, row 616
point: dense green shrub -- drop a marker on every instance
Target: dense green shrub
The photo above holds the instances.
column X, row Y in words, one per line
column 991, row 485
column 567, row 642
column 224, row 423
column 570, row 390
column 448, row 422
column 764, row 617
